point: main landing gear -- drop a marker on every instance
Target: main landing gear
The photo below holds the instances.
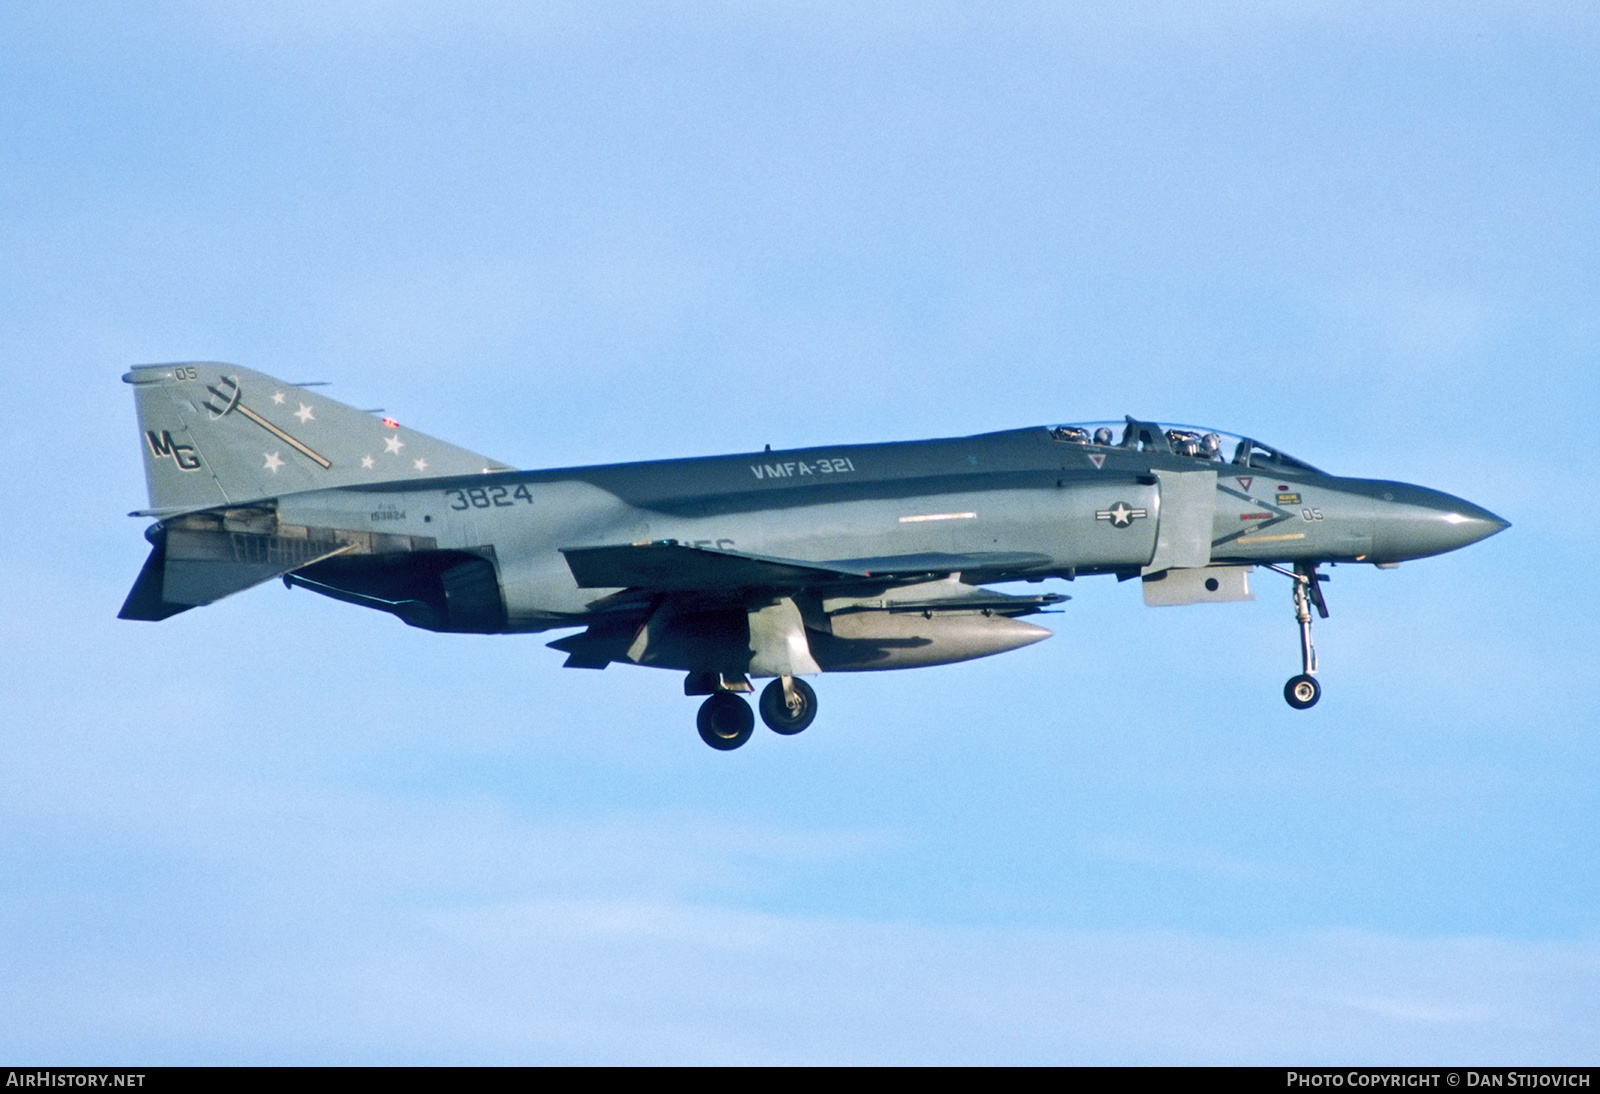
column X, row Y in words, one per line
column 1303, row 691
column 788, row 705
column 725, row 721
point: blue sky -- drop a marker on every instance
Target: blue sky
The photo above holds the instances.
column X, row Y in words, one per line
column 281, row 829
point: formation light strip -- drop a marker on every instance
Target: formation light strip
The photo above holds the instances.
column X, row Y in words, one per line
column 937, row 516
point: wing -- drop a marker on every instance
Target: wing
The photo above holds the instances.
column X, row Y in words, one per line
column 666, row 566
column 669, row 566
column 715, row 609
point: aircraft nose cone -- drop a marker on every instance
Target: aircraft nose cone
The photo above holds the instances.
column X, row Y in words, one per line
column 1419, row 522
column 1474, row 523
column 1463, row 524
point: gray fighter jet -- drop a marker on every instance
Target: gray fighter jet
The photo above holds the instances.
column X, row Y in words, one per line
column 846, row 558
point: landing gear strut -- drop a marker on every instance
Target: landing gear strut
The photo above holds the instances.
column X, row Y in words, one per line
column 1303, row 691
column 788, row 705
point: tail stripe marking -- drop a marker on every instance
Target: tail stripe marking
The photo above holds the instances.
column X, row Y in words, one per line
column 230, row 403
column 284, row 437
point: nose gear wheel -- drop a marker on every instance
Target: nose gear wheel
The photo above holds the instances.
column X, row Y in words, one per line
column 1302, row 691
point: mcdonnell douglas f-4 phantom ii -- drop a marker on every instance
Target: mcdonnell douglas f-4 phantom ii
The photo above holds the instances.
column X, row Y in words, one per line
column 845, row 558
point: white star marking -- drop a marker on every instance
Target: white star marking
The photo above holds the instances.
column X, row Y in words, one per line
column 394, row 445
column 420, row 465
column 366, row 462
column 273, row 462
column 304, row 414
column 1121, row 514
column 277, row 398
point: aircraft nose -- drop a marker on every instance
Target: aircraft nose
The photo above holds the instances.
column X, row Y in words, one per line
column 1417, row 522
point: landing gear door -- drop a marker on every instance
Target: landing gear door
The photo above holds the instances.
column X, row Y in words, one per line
column 1183, row 536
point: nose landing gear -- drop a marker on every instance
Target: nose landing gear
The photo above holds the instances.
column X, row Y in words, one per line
column 1303, row 691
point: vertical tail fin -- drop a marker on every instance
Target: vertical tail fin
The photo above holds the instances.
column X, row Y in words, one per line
column 215, row 434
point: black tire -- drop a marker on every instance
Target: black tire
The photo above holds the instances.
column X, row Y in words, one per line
column 778, row 715
column 725, row 721
column 1302, row 691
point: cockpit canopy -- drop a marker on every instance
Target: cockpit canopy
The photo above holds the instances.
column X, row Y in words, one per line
column 1195, row 442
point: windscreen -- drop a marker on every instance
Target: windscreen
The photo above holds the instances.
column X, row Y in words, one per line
column 1193, row 442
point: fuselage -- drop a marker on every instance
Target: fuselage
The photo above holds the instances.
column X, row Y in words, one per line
column 1025, row 503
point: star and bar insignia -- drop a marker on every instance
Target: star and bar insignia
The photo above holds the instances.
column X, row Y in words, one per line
column 1121, row 514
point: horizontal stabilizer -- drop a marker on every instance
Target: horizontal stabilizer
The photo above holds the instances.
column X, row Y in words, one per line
column 188, row 568
column 144, row 601
column 204, row 566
